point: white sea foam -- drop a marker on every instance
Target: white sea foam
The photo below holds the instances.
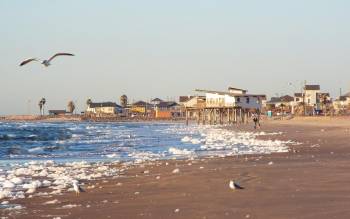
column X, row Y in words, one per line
column 176, row 151
column 229, row 142
column 57, row 177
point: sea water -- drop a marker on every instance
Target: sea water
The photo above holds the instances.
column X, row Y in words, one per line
column 75, row 141
column 52, row 155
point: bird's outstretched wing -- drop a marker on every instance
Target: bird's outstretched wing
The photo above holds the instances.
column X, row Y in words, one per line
column 27, row 61
column 60, row 54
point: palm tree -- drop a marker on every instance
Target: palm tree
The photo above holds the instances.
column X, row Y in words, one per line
column 40, row 104
column 71, row 107
column 43, row 100
column 124, row 100
column 88, row 102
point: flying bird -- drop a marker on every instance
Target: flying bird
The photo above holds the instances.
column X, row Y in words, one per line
column 234, row 185
column 77, row 188
column 47, row 62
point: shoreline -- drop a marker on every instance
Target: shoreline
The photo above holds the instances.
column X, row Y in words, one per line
column 311, row 176
column 80, row 118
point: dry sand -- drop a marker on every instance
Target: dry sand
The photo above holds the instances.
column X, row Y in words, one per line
column 311, row 181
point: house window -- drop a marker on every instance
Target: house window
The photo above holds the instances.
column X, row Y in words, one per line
column 247, row 100
column 238, row 99
column 297, row 99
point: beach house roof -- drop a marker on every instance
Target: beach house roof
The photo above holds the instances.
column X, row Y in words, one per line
column 166, row 104
column 103, row 104
column 237, row 89
column 343, row 98
column 141, row 103
column 312, row 87
column 298, row 95
column 285, row 98
column 231, row 94
column 157, row 100
column 185, row 98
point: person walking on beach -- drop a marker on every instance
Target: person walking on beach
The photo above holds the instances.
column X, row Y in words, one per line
column 256, row 121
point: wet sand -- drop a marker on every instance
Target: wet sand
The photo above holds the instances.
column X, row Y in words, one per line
column 310, row 181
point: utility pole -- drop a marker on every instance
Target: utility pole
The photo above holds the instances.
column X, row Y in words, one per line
column 303, row 93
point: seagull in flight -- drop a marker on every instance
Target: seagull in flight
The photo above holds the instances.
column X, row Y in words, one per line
column 234, row 185
column 77, row 187
column 47, row 62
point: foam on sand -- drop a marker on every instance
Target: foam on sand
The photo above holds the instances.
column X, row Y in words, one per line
column 27, row 179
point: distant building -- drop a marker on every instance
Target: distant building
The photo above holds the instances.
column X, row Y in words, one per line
column 57, row 112
column 342, row 103
column 167, row 110
column 184, row 99
column 311, row 100
column 298, row 97
column 237, row 90
column 104, row 108
column 311, row 94
column 194, row 102
column 281, row 101
column 156, row 101
column 283, row 104
column 141, row 107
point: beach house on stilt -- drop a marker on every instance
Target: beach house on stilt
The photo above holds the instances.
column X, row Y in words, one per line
column 232, row 106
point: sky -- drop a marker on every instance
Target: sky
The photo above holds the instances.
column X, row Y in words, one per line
column 160, row 48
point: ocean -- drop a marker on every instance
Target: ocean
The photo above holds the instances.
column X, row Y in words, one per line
column 72, row 141
column 52, row 155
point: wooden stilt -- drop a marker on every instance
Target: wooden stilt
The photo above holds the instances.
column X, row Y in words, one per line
column 186, row 117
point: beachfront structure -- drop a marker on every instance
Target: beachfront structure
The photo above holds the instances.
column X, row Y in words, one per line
column 230, row 106
column 156, row 101
column 167, row 110
column 311, row 100
column 311, row 94
column 57, row 112
column 281, row 104
column 285, row 100
column 103, row 108
column 298, row 98
column 190, row 103
column 195, row 102
column 234, row 90
column 184, row 99
column 342, row 104
column 141, row 107
column 238, row 99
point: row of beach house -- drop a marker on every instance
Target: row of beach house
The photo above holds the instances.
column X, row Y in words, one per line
column 231, row 105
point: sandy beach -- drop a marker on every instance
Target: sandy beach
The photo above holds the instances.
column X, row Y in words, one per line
column 310, row 181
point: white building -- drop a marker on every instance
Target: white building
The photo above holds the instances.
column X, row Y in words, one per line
column 311, row 97
column 103, row 108
column 342, row 103
column 233, row 98
column 311, row 94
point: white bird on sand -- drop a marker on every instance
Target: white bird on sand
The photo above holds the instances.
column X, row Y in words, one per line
column 47, row 62
column 234, row 185
column 76, row 187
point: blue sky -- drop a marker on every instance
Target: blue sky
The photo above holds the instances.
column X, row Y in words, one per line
column 147, row 49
